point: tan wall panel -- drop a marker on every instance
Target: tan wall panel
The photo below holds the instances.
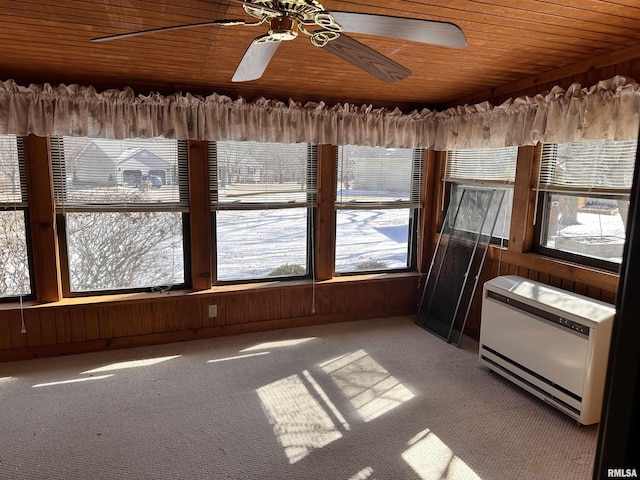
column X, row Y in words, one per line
column 91, row 323
column 7, row 323
column 83, row 326
column 76, row 319
column 105, row 322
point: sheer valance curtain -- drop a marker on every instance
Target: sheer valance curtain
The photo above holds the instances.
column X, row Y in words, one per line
column 607, row 110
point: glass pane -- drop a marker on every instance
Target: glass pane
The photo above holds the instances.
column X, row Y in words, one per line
column 375, row 174
column 590, row 226
column 503, row 222
column 116, row 250
column 458, row 260
column 589, row 164
column 372, row 239
column 264, row 173
column 14, row 261
column 488, row 164
column 113, row 172
column 258, row 244
column 10, row 181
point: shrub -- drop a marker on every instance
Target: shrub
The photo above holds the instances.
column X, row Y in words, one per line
column 288, row 269
column 371, row 265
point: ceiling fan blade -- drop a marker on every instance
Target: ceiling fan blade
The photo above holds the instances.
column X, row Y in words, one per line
column 175, row 27
column 416, row 30
column 258, row 6
column 367, row 59
column 255, row 60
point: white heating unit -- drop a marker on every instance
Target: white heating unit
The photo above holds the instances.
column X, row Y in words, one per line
column 551, row 342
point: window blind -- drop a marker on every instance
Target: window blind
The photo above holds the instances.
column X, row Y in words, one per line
column 256, row 175
column 13, row 190
column 596, row 166
column 482, row 166
column 15, row 278
column 378, row 177
column 133, row 174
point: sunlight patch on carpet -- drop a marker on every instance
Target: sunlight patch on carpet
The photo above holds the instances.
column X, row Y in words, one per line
column 132, row 364
column 278, row 344
column 238, row 357
column 75, row 380
column 370, row 388
column 325, row 398
column 363, row 474
column 299, row 421
column 430, row 458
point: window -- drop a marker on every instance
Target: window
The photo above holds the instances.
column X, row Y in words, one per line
column 262, row 197
column 15, row 278
column 583, row 201
column 121, row 207
column 491, row 167
column 377, row 203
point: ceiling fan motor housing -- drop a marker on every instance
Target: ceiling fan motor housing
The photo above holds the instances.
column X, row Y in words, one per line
column 283, row 28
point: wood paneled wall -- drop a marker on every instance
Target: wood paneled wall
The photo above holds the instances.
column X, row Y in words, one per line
column 56, row 325
column 517, row 259
column 82, row 325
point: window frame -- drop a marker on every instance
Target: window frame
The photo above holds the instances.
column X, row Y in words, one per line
column 544, row 193
column 57, row 159
column 311, row 214
column 415, row 204
column 540, row 232
column 22, row 206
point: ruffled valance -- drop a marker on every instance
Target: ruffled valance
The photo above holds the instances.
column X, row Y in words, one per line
column 609, row 110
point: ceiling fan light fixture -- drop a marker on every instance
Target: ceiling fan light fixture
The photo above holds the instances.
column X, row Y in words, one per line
column 283, row 28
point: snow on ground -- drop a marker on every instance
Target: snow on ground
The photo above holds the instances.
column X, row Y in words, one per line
column 250, row 244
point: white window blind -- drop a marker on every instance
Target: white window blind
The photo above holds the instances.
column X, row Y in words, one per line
column 13, row 191
column 377, row 177
column 596, row 166
column 256, row 175
column 133, row 174
column 482, row 166
column 14, row 258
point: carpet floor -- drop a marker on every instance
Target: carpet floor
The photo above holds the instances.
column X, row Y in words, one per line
column 373, row 399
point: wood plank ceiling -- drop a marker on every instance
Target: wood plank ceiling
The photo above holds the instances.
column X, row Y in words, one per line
column 508, row 41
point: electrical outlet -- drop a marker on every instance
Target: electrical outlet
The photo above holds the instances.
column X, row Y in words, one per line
column 213, row 311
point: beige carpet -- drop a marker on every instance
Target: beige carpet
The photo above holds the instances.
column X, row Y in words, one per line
column 375, row 399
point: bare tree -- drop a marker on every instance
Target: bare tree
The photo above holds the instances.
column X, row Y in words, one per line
column 113, row 250
column 231, row 157
column 282, row 163
column 346, row 175
column 14, row 261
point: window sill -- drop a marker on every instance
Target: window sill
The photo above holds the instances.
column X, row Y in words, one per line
column 217, row 289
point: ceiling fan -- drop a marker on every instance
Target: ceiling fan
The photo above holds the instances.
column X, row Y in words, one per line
column 325, row 29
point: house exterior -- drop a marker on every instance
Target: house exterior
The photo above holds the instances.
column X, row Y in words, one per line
column 99, row 165
column 135, row 163
column 94, row 167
